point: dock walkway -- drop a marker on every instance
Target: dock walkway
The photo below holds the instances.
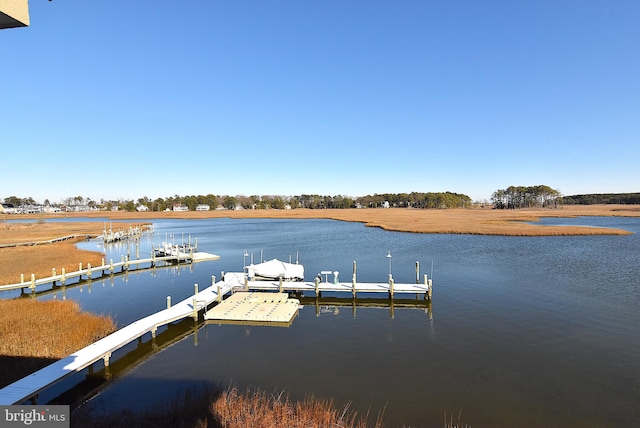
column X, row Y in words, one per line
column 111, row 267
column 29, row 387
column 318, row 286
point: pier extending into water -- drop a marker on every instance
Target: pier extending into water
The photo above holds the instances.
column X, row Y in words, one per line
column 125, row 264
column 30, row 386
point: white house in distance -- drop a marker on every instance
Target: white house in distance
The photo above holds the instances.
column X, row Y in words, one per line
column 203, row 207
column 180, row 207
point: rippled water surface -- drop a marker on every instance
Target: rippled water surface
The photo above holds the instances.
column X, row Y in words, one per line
column 522, row 332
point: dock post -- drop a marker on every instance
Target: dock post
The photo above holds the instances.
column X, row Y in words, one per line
column 354, row 271
column 427, row 294
column 390, row 287
column 53, row 273
column 417, row 272
column 125, row 263
column 219, row 294
column 195, row 309
column 88, row 270
column 64, row 276
column 168, row 302
column 80, row 266
column 137, row 251
column 195, row 288
column 280, row 287
column 33, row 282
column 111, row 266
column 21, row 278
column 106, row 359
column 353, row 285
column 213, row 279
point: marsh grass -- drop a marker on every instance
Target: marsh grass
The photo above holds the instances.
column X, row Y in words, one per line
column 34, row 333
column 232, row 409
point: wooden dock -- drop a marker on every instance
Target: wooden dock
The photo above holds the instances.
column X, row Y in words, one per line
column 255, row 307
column 125, row 264
column 238, row 281
column 28, row 387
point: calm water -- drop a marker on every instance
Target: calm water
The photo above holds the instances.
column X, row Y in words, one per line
column 524, row 332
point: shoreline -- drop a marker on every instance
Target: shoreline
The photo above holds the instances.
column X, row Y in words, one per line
column 40, row 259
column 474, row 221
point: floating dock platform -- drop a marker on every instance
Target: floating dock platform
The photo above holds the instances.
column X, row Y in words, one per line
column 255, row 307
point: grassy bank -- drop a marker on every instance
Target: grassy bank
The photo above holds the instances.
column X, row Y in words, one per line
column 34, row 334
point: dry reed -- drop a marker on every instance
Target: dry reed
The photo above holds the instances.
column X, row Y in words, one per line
column 49, row 329
column 231, row 409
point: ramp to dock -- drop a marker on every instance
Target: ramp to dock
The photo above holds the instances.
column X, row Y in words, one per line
column 31, row 385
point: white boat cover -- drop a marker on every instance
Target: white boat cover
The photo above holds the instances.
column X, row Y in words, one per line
column 274, row 269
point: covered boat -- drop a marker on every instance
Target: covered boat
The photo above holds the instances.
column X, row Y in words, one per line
column 274, row 270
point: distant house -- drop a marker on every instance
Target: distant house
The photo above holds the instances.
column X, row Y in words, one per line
column 203, row 207
column 180, row 207
column 142, row 208
column 8, row 209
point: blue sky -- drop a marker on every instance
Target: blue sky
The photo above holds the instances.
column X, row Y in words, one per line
column 126, row 99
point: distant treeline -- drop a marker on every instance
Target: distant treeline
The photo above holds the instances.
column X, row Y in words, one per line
column 431, row 200
column 513, row 197
column 605, row 198
column 414, row 199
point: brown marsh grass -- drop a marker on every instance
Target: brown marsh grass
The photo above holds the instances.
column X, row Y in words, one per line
column 233, row 409
column 32, row 330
